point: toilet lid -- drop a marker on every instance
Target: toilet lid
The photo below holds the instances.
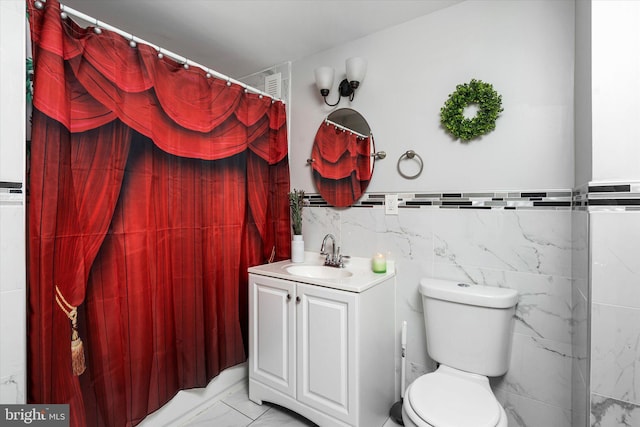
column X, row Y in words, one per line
column 445, row 400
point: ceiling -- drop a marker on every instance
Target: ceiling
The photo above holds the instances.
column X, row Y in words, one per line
column 241, row 37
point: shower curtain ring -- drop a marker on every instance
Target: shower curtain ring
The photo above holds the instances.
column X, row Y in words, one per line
column 97, row 28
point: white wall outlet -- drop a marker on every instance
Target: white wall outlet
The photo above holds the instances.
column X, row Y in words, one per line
column 391, row 204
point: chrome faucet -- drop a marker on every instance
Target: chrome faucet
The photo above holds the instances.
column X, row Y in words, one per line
column 323, row 251
column 333, row 258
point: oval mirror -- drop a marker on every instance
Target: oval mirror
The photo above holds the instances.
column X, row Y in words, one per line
column 342, row 157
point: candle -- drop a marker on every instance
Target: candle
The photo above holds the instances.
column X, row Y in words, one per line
column 379, row 263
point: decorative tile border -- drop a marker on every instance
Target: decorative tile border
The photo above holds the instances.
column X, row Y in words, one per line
column 580, row 199
column 546, row 199
column 10, row 187
column 11, row 193
column 617, row 196
column 595, row 196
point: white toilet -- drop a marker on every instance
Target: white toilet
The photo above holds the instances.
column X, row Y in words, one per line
column 469, row 331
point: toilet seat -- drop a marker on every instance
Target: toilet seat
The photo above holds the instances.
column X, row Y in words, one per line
column 449, row 397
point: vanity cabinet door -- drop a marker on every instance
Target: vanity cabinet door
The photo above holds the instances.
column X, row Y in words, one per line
column 327, row 350
column 272, row 332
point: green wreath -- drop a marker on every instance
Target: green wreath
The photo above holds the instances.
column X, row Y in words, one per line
column 489, row 107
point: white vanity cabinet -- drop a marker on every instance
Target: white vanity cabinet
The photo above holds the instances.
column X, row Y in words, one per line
column 325, row 353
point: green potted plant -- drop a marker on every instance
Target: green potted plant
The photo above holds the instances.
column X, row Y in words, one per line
column 296, row 202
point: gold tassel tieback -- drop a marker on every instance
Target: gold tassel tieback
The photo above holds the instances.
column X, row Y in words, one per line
column 77, row 349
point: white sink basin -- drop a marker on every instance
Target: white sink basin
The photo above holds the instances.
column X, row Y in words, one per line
column 318, row 271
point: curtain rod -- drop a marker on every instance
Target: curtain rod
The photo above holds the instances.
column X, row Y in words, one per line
column 344, row 128
column 161, row 51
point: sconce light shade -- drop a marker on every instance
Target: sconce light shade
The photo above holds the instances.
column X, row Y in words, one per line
column 324, row 79
column 356, row 70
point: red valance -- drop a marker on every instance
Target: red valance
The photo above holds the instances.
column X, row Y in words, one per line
column 86, row 80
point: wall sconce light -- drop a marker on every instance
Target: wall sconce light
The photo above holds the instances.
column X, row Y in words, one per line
column 356, row 69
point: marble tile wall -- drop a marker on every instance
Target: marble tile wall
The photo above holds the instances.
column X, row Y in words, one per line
column 615, row 317
column 580, row 308
column 12, row 295
column 527, row 249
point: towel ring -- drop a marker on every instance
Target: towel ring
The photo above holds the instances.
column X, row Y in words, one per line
column 410, row 154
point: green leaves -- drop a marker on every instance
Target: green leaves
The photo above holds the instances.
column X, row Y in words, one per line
column 475, row 92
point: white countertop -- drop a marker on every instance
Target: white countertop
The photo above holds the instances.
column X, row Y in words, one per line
column 362, row 277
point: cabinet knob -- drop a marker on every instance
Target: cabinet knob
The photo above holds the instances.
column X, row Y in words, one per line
column 288, row 297
column 297, row 299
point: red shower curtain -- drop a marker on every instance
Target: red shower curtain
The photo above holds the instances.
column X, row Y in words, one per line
column 153, row 188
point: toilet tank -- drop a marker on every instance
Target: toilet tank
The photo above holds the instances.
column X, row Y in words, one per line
column 469, row 327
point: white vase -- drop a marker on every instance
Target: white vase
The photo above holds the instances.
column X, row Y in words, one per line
column 297, row 248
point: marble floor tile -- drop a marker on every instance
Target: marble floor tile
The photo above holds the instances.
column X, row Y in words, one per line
column 219, row 415
column 281, row 417
column 239, row 400
column 236, row 410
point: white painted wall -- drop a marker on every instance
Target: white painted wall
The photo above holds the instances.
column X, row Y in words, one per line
column 616, row 90
column 583, row 121
column 12, row 87
column 524, row 48
column 12, row 206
